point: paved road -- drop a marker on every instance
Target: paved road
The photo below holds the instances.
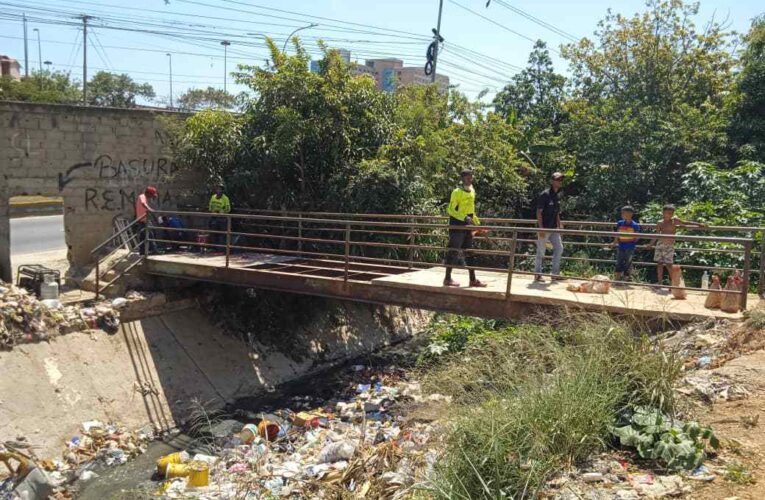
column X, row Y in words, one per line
column 37, row 234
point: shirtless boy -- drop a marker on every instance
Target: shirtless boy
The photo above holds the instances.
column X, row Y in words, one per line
column 664, row 253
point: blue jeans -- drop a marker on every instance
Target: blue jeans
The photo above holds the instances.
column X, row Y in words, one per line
column 624, row 260
column 557, row 244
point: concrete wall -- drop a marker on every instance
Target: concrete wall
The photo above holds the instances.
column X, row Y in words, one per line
column 97, row 159
column 150, row 371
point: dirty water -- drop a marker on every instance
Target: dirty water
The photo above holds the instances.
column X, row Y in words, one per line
column 137, row 478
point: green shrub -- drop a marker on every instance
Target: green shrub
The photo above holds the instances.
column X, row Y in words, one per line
column 657, row 437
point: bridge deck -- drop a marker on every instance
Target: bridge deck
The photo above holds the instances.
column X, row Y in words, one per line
column 422, row 288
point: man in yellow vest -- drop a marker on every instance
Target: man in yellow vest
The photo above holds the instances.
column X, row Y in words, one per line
column 219, row 204
column 461, row 212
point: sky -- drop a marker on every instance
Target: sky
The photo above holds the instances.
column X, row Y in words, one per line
column 483, row 49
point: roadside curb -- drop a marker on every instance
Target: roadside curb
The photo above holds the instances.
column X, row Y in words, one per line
column 33, row 208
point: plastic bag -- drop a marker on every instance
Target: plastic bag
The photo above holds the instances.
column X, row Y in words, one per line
column 334, row 452
column 599, row 284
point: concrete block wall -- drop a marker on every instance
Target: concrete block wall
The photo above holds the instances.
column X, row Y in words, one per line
column 97, row 159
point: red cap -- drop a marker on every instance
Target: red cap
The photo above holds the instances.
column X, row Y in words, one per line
column 151, row 190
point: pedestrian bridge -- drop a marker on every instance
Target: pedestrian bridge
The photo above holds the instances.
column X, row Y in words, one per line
column 398, row 260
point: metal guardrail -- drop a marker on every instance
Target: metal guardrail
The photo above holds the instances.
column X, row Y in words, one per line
column 350, row 237
column 105, row 250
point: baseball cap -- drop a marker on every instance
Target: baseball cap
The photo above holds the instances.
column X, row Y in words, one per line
column 557, row 176
column 151, row 190
column 466, row 172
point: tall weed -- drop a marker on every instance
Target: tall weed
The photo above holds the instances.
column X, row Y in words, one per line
column 529, row 400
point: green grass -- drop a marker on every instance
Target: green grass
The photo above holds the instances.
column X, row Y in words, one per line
column 529, row 400
column 739, row 473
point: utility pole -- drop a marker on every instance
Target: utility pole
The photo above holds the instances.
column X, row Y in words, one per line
column 225, row 44
column 85, row 58
column 39, row 49
column 438, row 40
column 170, row 58
column 26, row 46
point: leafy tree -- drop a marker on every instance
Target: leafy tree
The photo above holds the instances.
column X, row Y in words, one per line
column 209, row 98
column 44, row 86
column 535, row 95
column 650, row 95
column 534, row 102
column 208, row 141
column 332, row 141
column 748, row 125
column 118, row 91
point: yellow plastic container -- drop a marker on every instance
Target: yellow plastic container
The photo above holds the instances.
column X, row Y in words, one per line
column 200, row 474
column 177, row 470
column 173, row 458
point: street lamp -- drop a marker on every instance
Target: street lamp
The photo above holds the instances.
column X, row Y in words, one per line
column 39, row 49
column 225, row 44
column 312, row 25
column 170, row 61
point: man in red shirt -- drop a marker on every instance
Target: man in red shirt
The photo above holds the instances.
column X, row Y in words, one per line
column 142, row 211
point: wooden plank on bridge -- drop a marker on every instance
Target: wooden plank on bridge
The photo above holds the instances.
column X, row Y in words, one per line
column 631, row 299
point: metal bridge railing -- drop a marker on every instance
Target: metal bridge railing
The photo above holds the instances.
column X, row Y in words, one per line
column 401, row 242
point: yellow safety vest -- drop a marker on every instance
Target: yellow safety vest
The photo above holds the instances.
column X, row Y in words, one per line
column 462, row 204
column 219, row 205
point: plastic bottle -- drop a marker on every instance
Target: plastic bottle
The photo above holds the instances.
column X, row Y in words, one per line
column 48, row 289
column 705, row 280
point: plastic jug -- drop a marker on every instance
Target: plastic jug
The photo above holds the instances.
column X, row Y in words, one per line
column 48, row 289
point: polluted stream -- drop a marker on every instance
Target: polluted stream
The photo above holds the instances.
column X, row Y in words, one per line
column 312, row 439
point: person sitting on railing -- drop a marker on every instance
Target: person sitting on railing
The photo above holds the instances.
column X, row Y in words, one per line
column 462, row 212
column 143, row 211
column 625, row 244
column 548, row 217
column 664, row 253
column 219, row 204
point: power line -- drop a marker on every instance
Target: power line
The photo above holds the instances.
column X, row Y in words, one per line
column 540, row 22
column 103, row 50
column 468, row 59
column 492, row 21
column 200, row 37
column 459, row 71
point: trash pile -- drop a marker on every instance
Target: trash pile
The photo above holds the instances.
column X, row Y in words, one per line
column 317, row 449
column 613, row 475
column 110, row 444
column 705, row 346
column 699, row 344
column 25, row 319
column 31, row 477
column 712, row 387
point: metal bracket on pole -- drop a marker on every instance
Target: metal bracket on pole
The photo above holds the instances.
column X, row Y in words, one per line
column 98, row 278
column 146, row 237
column 747, row 270
column 300, row 234
column 511, row 266
column 411, row 243
column 761, row 277
column 228, row 239
column 347, row 250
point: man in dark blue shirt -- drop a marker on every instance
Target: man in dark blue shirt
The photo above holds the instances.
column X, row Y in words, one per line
column 548, row 217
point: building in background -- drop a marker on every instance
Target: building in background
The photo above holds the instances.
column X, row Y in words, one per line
column 10, row 67
column 390, row 73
